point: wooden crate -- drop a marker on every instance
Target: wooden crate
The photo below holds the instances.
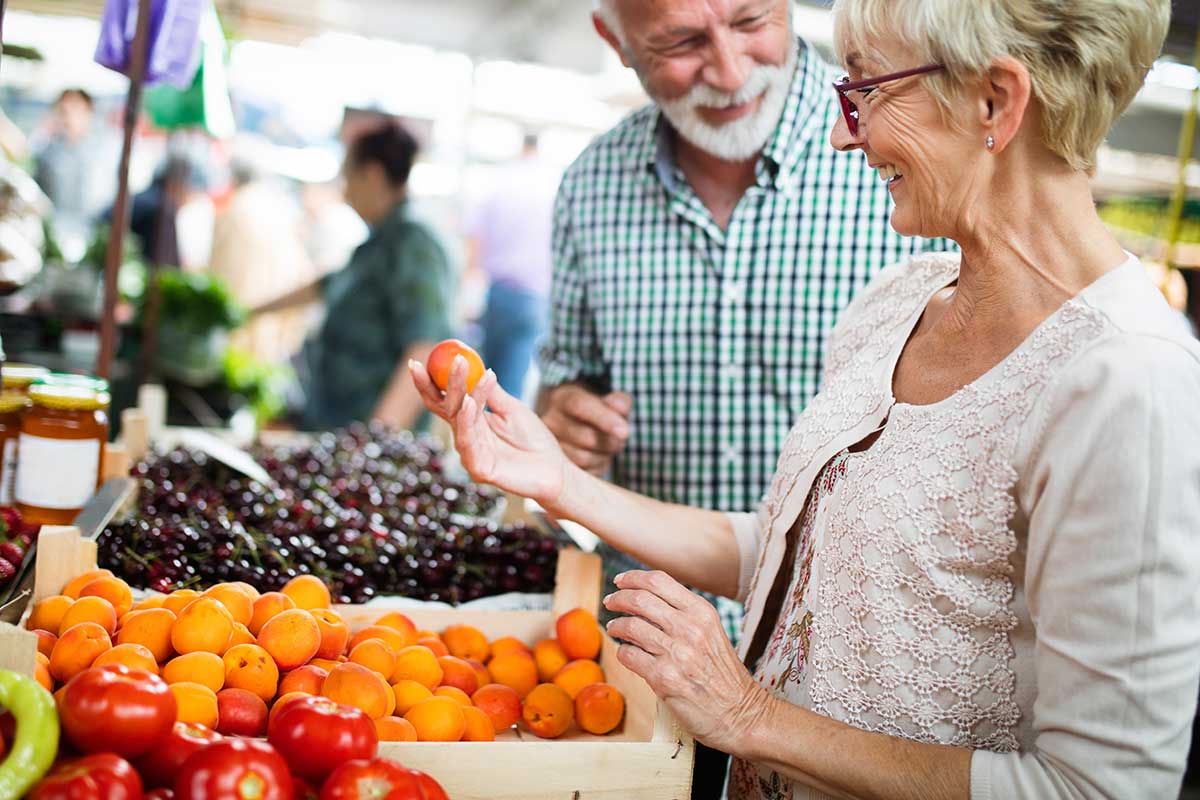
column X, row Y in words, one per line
column 648, row 758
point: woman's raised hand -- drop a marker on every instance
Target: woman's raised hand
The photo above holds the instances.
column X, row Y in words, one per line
column 500, row 440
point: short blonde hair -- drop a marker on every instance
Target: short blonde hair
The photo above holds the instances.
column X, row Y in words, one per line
column 1087, row 59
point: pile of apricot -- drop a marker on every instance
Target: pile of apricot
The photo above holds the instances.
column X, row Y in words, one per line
column 417, row 685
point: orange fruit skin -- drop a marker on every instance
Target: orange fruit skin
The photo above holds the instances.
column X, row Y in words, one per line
column 500, row 703
column 41, row 672
column 90, row 609
column 206, row 669
column 150, row 628
column 393, row 638
column 466, row 642
column 250, row 667
column 355, row 685
column 459, row 674
column 46, row 642
column 47, row 614
column 438, row 719
column 205, row 624
column 599, row 708
column 579, row 634
column 134, row 656
column 307, row 679
column 179, row 599
column 307, row 592
column 76, row 584
column 292, row 637
column 334, row 633
column 197, row 704
column 266, row 606
column 441, row 358
column 435, row 644
column 479, row 726
column 516, row 670
column 376, row 656
column 419, row 664
column 394, row 619
column 548, row 711
column 76, row 649
column 578, row 674
column 237, row 601
column 395, row 729
column 114, row 590
column 408, row 693
column 510, row 644
column 550, row 658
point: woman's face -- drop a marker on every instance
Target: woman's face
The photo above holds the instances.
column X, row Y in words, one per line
column 937, row 167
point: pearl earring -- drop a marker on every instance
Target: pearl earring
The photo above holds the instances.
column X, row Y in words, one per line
column 989, row 142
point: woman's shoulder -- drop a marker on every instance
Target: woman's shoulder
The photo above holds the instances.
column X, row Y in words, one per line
column 887, row 301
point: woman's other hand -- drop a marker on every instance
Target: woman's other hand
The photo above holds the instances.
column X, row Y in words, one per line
column 500, row 440
column 676, row 643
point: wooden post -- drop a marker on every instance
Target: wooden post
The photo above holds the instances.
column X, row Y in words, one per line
column 120, row 215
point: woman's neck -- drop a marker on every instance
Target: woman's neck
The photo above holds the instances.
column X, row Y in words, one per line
column 1029, row 247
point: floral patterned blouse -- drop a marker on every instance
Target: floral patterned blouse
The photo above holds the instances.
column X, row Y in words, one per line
column 781, row 668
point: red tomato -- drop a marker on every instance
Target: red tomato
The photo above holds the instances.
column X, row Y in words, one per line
column 159, row 794
column 234, row 769
column 160, row 765
column 315, row 736
column 380, row 778
column 117, row 709
column 304, row 790
column 102, row 776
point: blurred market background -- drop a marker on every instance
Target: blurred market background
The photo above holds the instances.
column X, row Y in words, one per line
column 236, row 179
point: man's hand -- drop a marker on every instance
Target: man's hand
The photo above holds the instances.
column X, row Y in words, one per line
column 590, row 428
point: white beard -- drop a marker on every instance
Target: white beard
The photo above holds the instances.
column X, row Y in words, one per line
column 743, row 138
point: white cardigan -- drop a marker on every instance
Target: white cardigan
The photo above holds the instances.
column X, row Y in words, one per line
column 1016, row 570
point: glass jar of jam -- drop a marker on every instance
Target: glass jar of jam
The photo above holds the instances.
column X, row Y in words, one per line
column 13, row 406
column 19, row 377
column 61, row 448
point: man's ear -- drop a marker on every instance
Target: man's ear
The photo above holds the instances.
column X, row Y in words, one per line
column 1005, row 100
column 610, row 36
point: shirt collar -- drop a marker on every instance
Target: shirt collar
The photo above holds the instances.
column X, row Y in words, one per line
column 803, row 115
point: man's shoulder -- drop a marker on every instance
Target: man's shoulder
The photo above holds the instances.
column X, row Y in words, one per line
column 613, row 150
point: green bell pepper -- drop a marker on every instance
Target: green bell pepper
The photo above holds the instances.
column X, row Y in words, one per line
column 36, row 744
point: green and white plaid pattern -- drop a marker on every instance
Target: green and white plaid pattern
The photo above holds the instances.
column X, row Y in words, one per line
column 718, row 335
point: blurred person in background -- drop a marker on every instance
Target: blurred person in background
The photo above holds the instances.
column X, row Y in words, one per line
column 390, row 303
column 510, row 246
column 257, row 252
column 75, row 163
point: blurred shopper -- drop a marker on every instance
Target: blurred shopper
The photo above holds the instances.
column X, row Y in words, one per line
column 389, row 304
column 258, row 252
column 76, row 166
column 703, row 250
column 510, row 245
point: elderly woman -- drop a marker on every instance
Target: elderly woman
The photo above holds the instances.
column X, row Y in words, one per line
column 976, row 571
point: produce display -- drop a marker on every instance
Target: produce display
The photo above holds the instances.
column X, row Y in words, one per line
column 147, row 752
column 16, row 537
column 368, row 511
column 244, row 663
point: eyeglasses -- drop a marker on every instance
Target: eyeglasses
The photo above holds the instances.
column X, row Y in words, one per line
column 866, row 86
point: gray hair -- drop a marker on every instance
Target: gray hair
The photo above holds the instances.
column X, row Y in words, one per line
column 1086, row 58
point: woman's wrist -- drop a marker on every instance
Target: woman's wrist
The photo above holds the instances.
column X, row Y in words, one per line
column 570, row 491
column 759, row 724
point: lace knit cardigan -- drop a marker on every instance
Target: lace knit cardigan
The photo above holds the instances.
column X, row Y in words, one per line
column 1020, row 574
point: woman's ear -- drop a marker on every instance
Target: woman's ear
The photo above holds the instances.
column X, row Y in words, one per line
column 1007, row 94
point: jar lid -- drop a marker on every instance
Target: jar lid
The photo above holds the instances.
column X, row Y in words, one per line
column 70, row 396
column 71, row 379
column 12, row 402
column 17, row 376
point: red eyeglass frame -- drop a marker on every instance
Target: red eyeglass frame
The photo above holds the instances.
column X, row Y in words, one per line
column 850, row 111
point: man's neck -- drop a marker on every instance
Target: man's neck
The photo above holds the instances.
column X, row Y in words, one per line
column 718, row 183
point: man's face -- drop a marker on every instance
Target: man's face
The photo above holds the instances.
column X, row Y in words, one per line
column 719, row 69
column 74, row 116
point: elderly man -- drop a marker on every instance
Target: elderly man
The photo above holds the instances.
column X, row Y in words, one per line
column 703, row 249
